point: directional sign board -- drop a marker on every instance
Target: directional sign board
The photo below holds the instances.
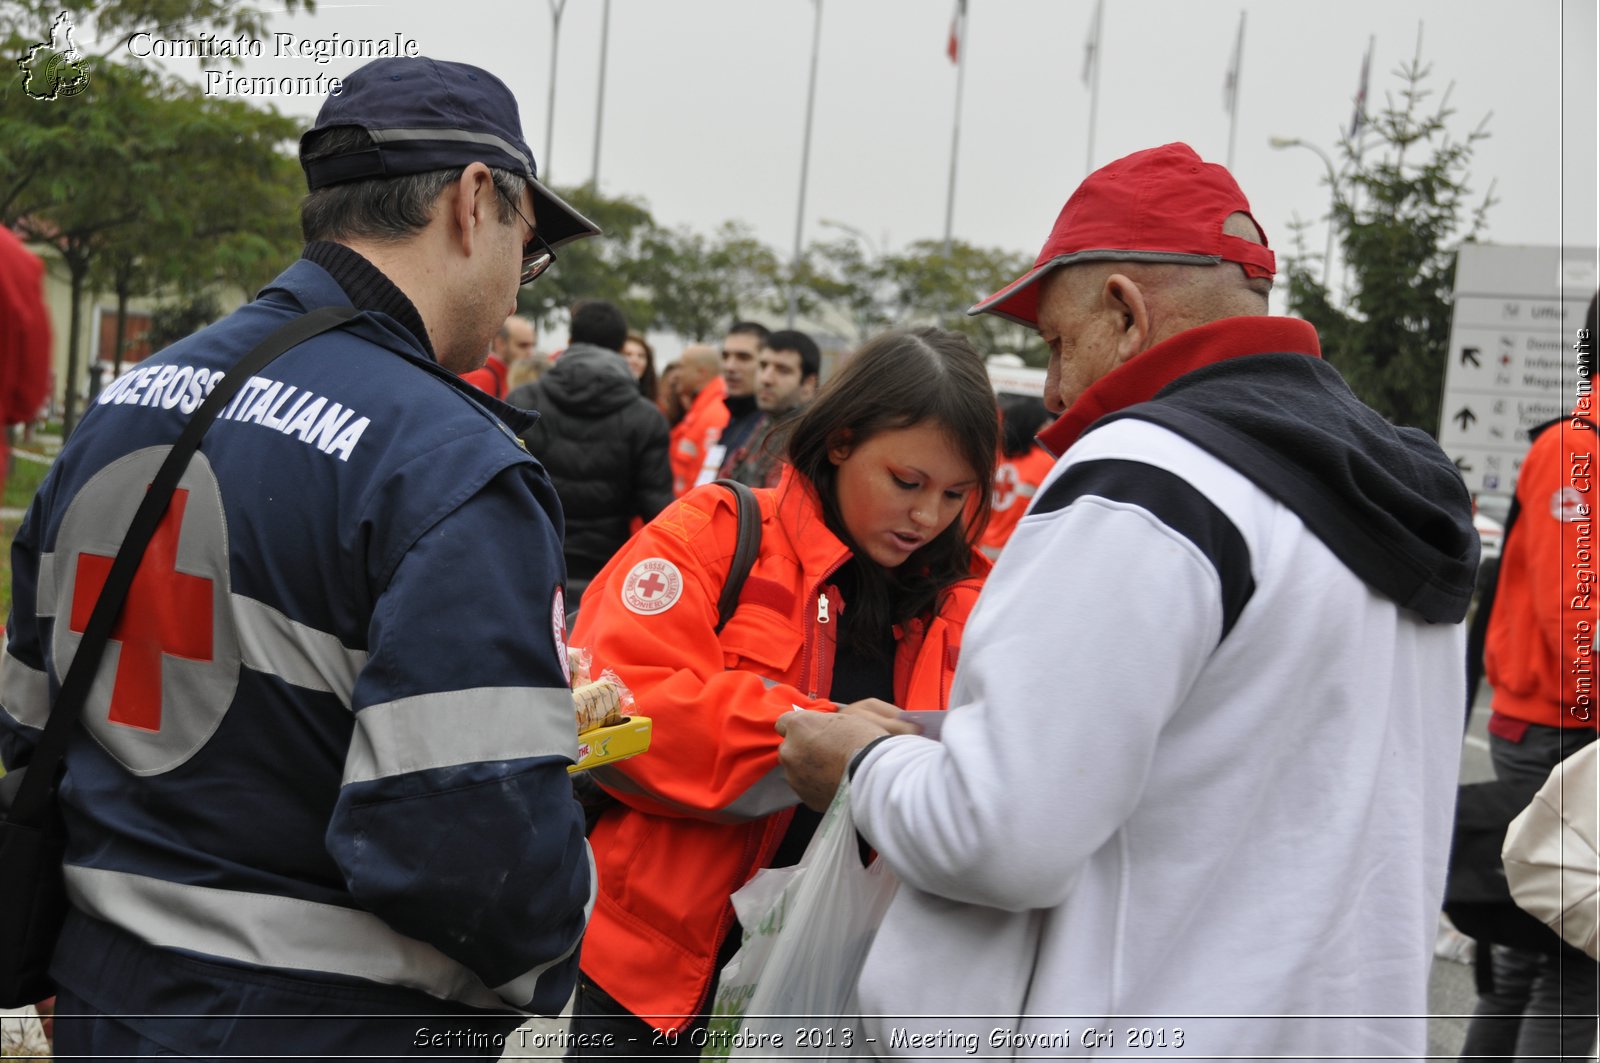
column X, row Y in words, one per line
column 1511, row 363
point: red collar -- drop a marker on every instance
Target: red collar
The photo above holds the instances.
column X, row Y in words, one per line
column 1138, row 379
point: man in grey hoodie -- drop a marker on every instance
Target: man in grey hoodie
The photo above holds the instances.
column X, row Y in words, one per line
column 603, row 444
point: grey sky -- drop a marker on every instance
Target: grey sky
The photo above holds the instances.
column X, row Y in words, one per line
column 705, row 101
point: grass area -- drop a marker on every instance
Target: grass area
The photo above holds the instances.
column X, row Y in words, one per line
column 24, row 480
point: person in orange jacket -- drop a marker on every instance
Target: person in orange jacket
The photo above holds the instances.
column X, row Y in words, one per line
column 702, row 390
column 863, row 583
column 1541, row 660
column 1023, row 466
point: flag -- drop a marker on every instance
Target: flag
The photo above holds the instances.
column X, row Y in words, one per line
column 957, row 24
column 1359, row 119
column 1230, row 83
column 1091, row 47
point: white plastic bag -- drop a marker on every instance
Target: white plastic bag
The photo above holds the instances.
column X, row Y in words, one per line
column 1552, row 852
column 790, row 989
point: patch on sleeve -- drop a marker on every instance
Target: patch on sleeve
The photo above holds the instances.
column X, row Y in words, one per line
column 1567, row 505
column 683, row 521
column 558, row 628
column 652, row 586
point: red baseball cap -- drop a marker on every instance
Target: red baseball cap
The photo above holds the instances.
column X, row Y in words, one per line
column 1158, row 205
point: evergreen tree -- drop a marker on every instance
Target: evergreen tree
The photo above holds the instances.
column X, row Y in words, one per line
column 1401, row 209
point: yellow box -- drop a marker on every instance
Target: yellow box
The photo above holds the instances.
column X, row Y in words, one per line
column 603, row 745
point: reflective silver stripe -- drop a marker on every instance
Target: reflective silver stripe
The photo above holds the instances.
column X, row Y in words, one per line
column 461, row 727
column 519, row 991
column 271, row 643
column 770, row 683
column 24, row 692
column 44, row 590
column 397, row 135
column 613, row 779
column 267, row 931
column 770, row 794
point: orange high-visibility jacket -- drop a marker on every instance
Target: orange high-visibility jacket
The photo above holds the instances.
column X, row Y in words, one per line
column 1540, row 653
column 1016, row 480
column 707, row 805
column 697, row 433
column 489, row 378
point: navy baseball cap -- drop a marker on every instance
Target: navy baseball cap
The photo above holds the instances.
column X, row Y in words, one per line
column 428, row 114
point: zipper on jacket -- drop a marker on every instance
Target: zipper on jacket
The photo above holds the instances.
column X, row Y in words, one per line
column 818, row 638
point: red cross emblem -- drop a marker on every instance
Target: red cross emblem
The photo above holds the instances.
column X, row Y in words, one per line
column 1005, row 486
column 166, row 612
column 652, row 586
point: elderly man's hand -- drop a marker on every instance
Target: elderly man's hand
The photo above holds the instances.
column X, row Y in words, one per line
column 817, row 746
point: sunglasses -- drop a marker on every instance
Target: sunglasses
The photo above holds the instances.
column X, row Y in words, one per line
column 536, row 254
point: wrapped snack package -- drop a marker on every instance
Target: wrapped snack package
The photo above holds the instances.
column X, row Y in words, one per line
column 601, row 703
column 606, row 731
column 579, row 661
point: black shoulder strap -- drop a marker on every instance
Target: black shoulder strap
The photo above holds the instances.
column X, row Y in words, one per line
column 1478, row 633
column 745, row 549
column 33, row 796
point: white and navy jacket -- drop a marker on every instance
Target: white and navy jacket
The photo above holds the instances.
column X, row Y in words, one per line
column 1194, row 791
column 330, row 736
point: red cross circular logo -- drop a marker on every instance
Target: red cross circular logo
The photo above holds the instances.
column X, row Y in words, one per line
column 1005, row 487
column 1568, row 505
column 558, row 627
column 652, row 586
column 171, row 666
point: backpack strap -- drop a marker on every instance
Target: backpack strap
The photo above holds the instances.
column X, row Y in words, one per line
column 34, row 798
column 745, row 549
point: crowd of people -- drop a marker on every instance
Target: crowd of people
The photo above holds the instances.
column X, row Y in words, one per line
column 1195, row 620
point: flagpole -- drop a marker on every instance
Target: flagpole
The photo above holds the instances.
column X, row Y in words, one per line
column 1094, row 84
column 955, row 130
column 600, row 93
column 1355, row 188
column 550, row 110
column 805, row 165
column 1233, row 101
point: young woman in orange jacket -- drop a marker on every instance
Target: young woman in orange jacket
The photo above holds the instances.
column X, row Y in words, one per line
column 866, row 573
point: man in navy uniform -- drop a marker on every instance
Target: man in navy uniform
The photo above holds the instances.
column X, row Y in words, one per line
column 321, row 781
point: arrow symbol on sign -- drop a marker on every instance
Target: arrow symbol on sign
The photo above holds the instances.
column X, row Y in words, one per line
column 1464, row 417
column 1470, row 354
column 1461, row 464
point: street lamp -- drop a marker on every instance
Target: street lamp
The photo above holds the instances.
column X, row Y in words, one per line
column 1333, row 186
column 872, row 285
column 805, row 162
column 850, row 230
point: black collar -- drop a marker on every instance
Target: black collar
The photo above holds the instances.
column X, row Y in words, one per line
column 367, row 287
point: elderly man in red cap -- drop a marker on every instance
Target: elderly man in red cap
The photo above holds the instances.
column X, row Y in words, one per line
column 1196, row 787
